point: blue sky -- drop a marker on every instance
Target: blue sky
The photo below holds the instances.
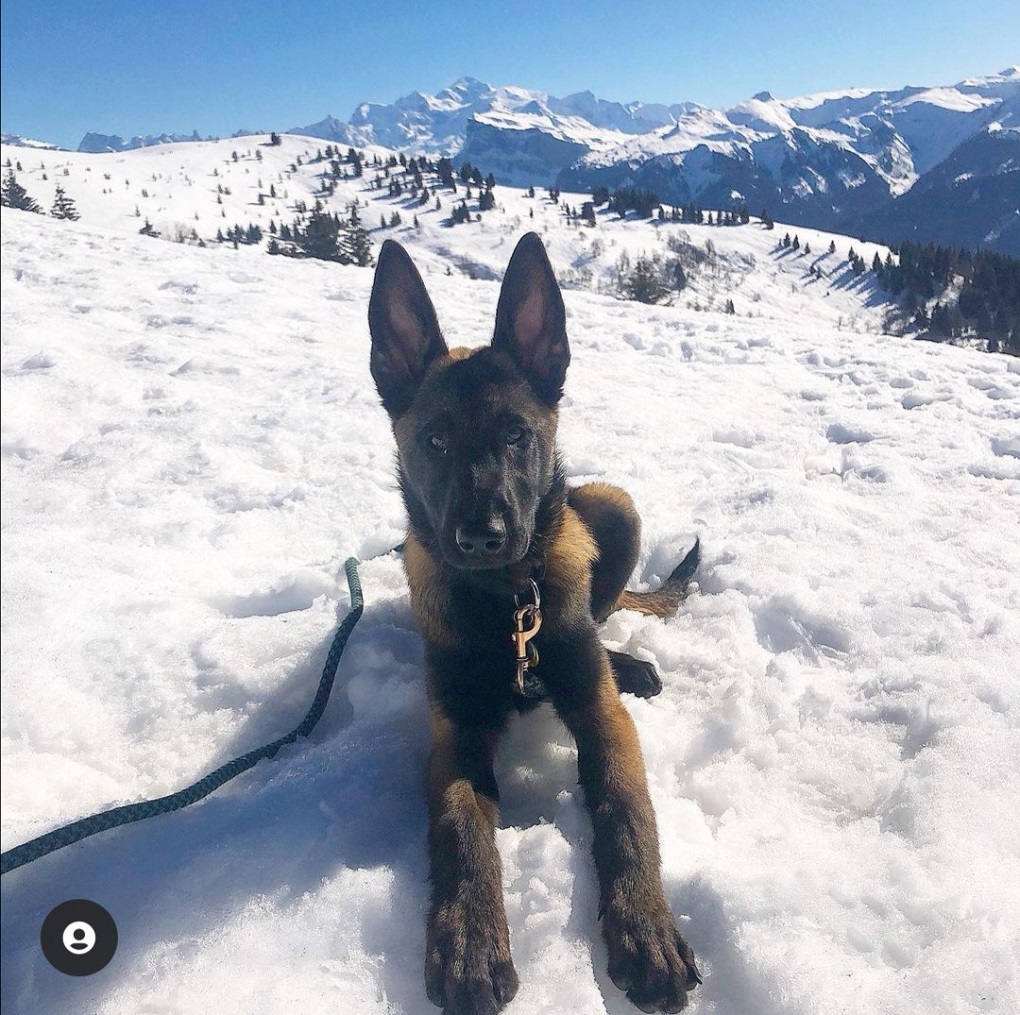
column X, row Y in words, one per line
column 217, row 65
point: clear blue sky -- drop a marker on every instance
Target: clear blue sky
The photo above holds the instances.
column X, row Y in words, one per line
column 217, row 65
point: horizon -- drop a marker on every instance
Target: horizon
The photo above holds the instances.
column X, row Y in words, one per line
column 217, row 68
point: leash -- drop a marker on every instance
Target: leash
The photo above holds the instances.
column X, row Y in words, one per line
column 82, row 829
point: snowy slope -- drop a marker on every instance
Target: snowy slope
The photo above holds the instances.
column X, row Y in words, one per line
column 191, row 446
column 201, row 188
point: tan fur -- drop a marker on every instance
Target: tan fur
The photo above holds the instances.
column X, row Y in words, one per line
column 450, row 789
column 602, row 497
column 663, row 603
column 427, row 592
column 569, row 560
column 612, row 733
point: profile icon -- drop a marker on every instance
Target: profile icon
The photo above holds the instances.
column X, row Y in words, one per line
column 78, row 937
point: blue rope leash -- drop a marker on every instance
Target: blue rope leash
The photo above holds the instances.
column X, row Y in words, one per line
column 82, row 829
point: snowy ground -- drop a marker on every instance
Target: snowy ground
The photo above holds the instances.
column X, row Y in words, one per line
column 191, row 447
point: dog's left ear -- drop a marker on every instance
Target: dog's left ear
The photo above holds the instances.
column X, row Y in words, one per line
column 405, row 330
column 531, row 323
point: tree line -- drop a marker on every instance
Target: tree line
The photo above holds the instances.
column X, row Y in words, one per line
column 977, row 294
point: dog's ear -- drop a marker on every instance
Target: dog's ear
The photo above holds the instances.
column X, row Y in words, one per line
column 531, row 323
column 405, row 330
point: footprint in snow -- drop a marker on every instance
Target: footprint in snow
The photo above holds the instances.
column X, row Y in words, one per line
column 1006, row 446
column 40, row 361
column 839, row 434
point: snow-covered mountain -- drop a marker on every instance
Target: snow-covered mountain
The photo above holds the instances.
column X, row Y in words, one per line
column 191, row 447
column 438, row 124
column 970, row 199
column 18, row 141
column 835, row 160
column 832, row 160
column 115, row 143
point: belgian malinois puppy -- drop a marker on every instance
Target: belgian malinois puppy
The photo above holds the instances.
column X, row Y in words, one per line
column 509, row 571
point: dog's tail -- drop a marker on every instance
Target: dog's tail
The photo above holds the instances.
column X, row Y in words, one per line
column 664, row 602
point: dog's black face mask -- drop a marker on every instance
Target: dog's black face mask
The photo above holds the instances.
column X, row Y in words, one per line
column 476, row 434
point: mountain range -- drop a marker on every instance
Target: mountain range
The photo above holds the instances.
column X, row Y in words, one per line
column 939, row 164
column 843, row 160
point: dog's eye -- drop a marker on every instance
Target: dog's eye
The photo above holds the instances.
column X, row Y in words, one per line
column 437, row 444
column 514, row 434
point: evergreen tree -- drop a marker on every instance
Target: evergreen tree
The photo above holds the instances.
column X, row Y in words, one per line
column 63, row 206
column 642, row 282
column 320, row 237
column 356, row 245
column 14, row 195
column 445, row 171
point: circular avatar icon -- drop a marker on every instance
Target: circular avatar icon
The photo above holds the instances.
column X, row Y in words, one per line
column 78, row 937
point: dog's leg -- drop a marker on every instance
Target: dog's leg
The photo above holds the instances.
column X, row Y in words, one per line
column 468, row 967
column 613, row 520
column 647, row 955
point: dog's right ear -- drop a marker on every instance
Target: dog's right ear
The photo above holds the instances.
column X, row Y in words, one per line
column 405, row 330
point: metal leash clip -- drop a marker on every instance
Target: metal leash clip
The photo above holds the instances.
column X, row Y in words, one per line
column 527, row 621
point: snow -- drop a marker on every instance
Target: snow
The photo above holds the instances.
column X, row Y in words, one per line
column 191, row 447
column 176, row 188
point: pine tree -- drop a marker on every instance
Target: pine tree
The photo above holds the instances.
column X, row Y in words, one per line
column 321, row 236
column 356, row 247
column 642, row 283
column 14, row 195
column 63, row 206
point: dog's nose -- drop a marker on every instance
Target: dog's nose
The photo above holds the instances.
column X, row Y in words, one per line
column 481, row 541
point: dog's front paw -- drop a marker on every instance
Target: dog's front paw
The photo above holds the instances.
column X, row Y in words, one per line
column 468, row 968
column 648, row 957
